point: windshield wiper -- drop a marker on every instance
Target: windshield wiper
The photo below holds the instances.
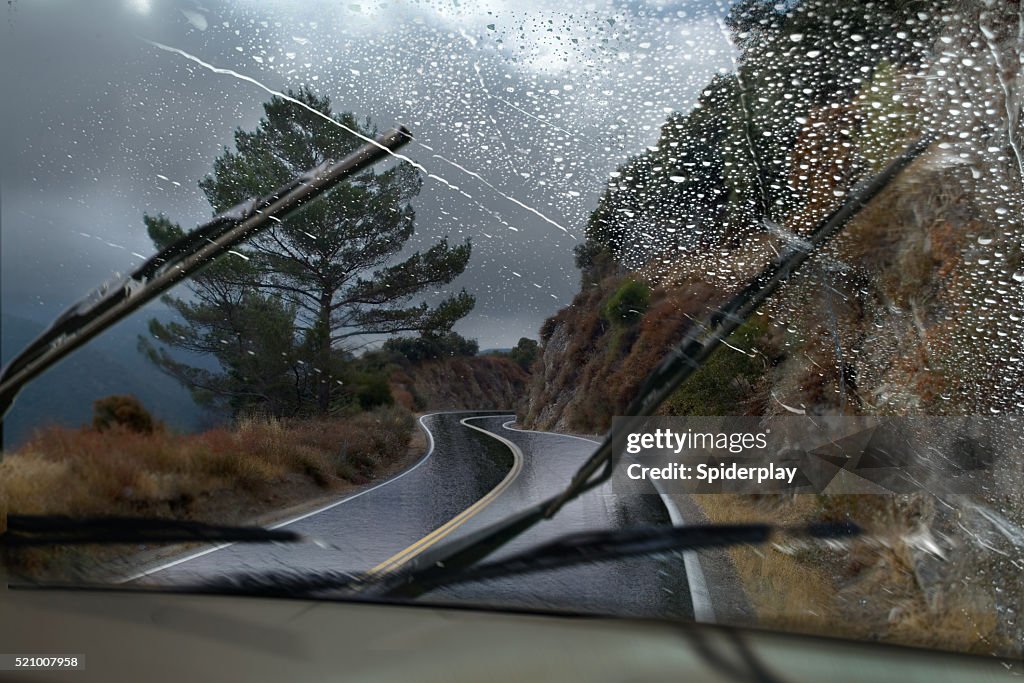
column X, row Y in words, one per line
column 615, row 544
column 679, row 364
column 180, row 260
column 39, row 530
column 569, row 550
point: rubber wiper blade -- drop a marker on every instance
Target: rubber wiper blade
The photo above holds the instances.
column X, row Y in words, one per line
column 180, row 260
column 678, row 365
column 565, row 551
column 614, row 544
column 43, row 530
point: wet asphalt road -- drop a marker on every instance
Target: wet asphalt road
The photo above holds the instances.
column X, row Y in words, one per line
column 372, row 525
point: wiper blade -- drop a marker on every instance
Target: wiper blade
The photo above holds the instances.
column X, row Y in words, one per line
column 679, row 364
column 566, row 551
column 40, row 530
column 615, row 544
column 180, row 260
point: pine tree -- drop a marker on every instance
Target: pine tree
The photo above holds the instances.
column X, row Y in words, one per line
column 282, row 316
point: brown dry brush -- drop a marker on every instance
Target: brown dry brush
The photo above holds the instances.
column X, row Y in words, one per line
column 84, row 471
column 223, row 475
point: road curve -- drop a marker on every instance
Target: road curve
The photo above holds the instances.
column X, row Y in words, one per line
column 700, row 595
column 363, row 529
column 635, row 587
column 477, row 470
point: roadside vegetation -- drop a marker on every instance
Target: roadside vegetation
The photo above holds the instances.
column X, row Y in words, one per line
column 280, row 343
column 121, row 466
column 818, row 591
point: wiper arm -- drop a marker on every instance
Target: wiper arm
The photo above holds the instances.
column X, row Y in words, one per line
column 39, row 530
column 180, row 260
column 679, row 364
column 565, row 551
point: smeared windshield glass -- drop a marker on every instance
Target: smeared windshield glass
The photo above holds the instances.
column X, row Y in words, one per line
column 440, row 340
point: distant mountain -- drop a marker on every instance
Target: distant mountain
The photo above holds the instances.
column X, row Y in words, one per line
column 109, row 364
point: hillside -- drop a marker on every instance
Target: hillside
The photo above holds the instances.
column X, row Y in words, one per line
column 469, row 382
column 894, row 319
column 906, row 269
column 913, row 310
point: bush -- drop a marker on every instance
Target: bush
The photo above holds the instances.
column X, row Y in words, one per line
column 547, row 328
column 628, row 303
column 431, row 346
column 371, row 441
column 726, row 382
column 525, row 352
column 594, row 260
column 371, row 389
column 121, row 411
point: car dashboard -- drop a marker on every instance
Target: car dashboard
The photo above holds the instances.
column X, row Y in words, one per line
column 160, row 636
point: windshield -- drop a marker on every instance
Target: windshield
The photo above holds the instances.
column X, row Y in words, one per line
column 440, row 336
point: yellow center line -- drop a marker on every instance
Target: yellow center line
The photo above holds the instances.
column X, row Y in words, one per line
column 403, row 556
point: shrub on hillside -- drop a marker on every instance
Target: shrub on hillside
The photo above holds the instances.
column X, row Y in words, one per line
column 371, row 390
column 431, row 347
column 594, row 261
column 121, row 411
column 628, row 303
column 726, row 382
column 547, row 328
column 372, row 440
column 525, row 352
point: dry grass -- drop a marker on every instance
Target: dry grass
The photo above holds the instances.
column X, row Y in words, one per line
column 785, row 592
column 82, row 471
column 221, row 475
column 872, row 593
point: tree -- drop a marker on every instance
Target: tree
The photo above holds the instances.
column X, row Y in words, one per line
column 432, row 346
column 283, row 316
column 525, row 352
column 723, row 172
column 669, row 198
column 122, row 411
column 750, row 20
column 628, row 303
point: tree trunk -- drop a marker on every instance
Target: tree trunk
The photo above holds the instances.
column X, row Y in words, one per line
column 323, row 333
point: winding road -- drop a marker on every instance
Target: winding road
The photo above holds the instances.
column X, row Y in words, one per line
column 478, row 469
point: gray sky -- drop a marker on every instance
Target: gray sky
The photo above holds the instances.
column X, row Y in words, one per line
column 524, row 108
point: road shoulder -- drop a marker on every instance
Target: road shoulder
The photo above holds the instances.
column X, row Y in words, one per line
column 730, row 602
